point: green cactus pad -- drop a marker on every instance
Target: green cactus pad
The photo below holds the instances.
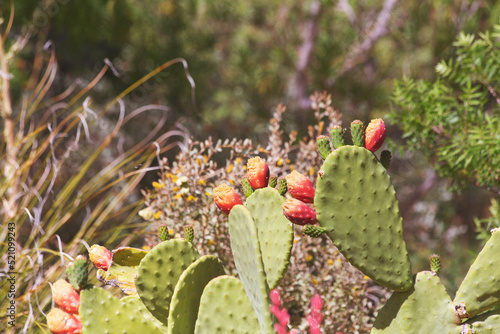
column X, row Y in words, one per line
column 358, row 133
column 248, row 260
column 124, row 266
column 187, row 294
column 487, row 323
column 324, row 148
column 247, row 188
column 425, row 308
column 337, row 135
column 103, row 313
column 480, row 290
column 274, row 230
column 78, row 273
column 356, row 203
column 159, row 272
column 225, row 308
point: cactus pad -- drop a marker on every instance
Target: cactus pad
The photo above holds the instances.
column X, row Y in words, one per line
column 337, row 135
column 274, row 231
column 103, row 313
column 480, row 289
column 78, row 273
column 248, row 260
column 186, row 298
column 225, row 308
column 159, row 272
column 425, row 308
column 324, row 148
column 356, row 204
column 487, row 323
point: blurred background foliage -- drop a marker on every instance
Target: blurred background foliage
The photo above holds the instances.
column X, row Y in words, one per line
column 247, row 56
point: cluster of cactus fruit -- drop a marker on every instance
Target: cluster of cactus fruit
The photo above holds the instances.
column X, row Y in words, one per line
column 172, row 289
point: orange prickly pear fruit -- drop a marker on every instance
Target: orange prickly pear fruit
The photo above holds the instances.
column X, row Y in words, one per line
column 299, row 212
column 300, row 187
column 226, row 197
column 257, row 173
column 60, row 322
column 100, row 256
column 65, row 296
column 375, row 134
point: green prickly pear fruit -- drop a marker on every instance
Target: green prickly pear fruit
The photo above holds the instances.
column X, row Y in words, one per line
column 324, row 148
column 257, row 173
column 385, row 158
column 273, row 181
column 189, row 233
column 313, row 231
column 60, row 322
column 100, row 257
column 358, row 138
column 282, row 187
column 65, row 296
column 375, row 134
column 78, row 272
column 435, row 263
column 300, row 187
column 247, row 188
column 163, row 232
column 298, row 212
column 226, row 197
column 337, row 135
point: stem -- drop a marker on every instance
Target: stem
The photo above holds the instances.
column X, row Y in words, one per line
column 10, row 167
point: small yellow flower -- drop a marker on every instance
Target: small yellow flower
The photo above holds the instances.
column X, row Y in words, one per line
column 157, row 215
column 205, row 158
column 309, row 257
column 367, row 278
column 176, row 189
column 292, row 168
column 279, row 162
column 210, row 242
column 191, row 198
column 177, row 196
column 339, row 260
column 295, row 241
column 202, row 182
column 170, row 231
column 314, row 281
column 311, row 171
column 229, row 168
column 158, row 185
column 208, row 193
column 238, row 161
column 330, row 261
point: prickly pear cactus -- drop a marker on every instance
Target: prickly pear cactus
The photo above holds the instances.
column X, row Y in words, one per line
column 123, row 269
column 356, row 204
column 425, row 308
column 103, row 313
column 159, row 272
column 274, row 231
column 225, row 308
column 187, row 294
column 487, row 323
column 248, row 260
column 480, row 289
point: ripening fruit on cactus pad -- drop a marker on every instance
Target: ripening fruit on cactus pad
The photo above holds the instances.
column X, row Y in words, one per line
column 100, row 257
column 60, row 322
column 65, row 296
column 257, row 173
column 375, row 134
column 226, row 197
column 299, row 212
column 300, row 187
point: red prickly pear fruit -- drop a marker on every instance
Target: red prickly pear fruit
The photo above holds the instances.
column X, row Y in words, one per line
column 257, row 173
column 226, row 197
column 60, row 322
column 375, row 134
column 300, row 187
column 100, row 256
column 299, row 212
column 65, row 296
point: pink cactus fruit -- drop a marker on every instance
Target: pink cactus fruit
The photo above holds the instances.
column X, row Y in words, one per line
column 298, row 212
column 65, row 296
column 226, row 198
column 300, row 187
column 100, row 256
column 257, row 173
